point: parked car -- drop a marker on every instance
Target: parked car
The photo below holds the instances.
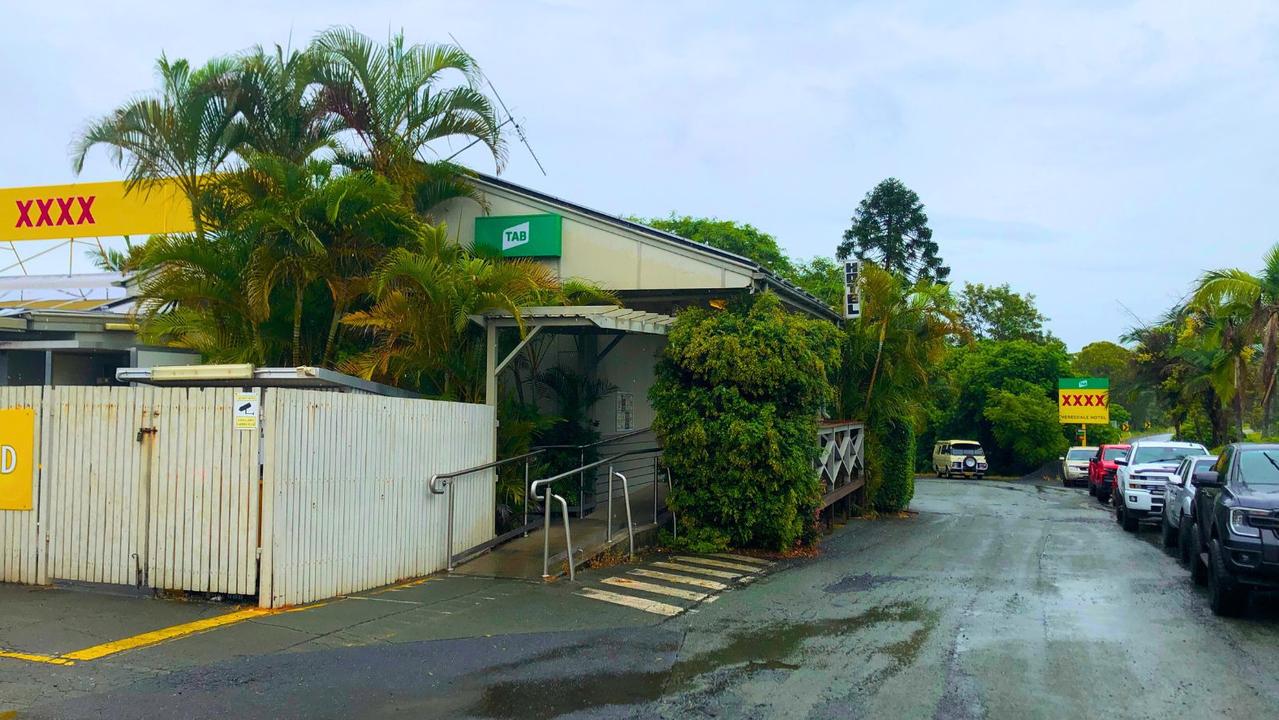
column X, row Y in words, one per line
column 1102, row 468
column 1074, row 465
column 1143, row 477
column 964, row 458
column 1236, row 525
column 1175, row 525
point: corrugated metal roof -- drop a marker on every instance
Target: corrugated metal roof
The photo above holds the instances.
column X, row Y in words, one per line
column 606, row 317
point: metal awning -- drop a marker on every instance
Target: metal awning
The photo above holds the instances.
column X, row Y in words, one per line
column 605, row 317
column 249, row 376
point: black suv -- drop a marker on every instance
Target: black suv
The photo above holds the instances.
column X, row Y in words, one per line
column 1236, row 521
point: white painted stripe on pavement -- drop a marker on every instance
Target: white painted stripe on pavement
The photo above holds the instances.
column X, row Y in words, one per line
column 699, row 570
column 743, row 558
column 682, row 579
column 657, row 589
column 648, row 606
column 717, row 563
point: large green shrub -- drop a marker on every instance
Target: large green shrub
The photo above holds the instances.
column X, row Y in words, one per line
column 737, row 398
column 893, row 443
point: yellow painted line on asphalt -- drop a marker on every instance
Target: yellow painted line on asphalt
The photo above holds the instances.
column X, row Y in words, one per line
column 35, row 658
column 718, row 563
column 682, row 579
column 742, row 558
column 648, row 606
column 698, row 570
column 655, row 589
column 158, row 636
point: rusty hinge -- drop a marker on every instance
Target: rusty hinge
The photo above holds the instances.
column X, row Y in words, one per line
column 145, row 431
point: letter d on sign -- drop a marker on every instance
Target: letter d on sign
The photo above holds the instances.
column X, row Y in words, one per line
column 17, row 470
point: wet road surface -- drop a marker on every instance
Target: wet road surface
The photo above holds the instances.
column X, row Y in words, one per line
column 999, row 600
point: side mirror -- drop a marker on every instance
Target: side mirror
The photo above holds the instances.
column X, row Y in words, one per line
column 1121, row 462
column 1208, row 478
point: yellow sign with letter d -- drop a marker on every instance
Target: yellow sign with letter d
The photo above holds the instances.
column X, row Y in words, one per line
column 17, row 445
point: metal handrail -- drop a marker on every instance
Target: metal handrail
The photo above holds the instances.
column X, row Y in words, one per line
column 441, row 481
column 546, row 522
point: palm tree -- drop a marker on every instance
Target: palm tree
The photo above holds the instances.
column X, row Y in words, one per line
column 186, row 132
column 277, row 96
column 313, row 225
column 1256, row 297
column 899, row 338
column 426, row 294
column 393, row 100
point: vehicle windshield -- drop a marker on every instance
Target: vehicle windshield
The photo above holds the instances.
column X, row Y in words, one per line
column 1202, row 465
column 1078, row 454
column 1156, row 454
column 1259, row 467
column 965, row 449
column 1114, row 454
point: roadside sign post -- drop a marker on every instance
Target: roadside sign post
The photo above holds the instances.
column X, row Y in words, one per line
column 1083, row 401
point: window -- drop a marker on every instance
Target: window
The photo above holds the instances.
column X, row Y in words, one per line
column 1078, row 454
column 1158, row 454
column 1115, row 454
column 965, row 448
column 1258, row 467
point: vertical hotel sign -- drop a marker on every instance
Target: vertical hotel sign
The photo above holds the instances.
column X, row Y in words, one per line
column 1083, row 400
column 17, row 445
column 59, row 212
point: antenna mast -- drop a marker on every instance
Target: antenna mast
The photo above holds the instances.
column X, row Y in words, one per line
column 519, row 129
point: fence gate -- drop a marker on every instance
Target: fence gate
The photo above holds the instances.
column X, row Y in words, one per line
column 150, row 486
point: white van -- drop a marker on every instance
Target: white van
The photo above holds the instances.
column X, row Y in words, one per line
column 962, row 458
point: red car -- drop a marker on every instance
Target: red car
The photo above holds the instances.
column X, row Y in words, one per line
column 1102, row 468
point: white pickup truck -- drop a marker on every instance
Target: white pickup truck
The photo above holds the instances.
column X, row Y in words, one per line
column 1140, row 483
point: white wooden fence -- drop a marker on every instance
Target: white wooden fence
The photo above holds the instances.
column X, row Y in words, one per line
column 345, row 490
column 156, row 487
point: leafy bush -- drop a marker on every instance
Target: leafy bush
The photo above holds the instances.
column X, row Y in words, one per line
column 1025, row 422
column 737, row 398
column 893, row 441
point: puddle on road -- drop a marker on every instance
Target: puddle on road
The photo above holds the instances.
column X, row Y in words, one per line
column 861, row 583
column 769, row 648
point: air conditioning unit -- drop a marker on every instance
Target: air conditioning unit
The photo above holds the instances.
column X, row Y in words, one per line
column 852, row 302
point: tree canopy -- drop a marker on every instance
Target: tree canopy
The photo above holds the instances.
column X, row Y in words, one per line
column 890, row 228
column 996, row 312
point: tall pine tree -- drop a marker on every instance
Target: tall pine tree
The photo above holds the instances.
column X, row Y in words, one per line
column 890, row 227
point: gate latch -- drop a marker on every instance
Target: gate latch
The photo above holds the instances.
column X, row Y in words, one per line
column 145, row 431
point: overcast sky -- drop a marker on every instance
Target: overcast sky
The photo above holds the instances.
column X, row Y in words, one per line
column 1091, row 153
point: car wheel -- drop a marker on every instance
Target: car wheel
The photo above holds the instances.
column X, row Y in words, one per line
column 1092, row 489
column 1184, row 540
column 1167, row 533
column 1225, row 596
column 1130, row 521
column 941, row 473
column 1198, row 572
column 1103, row 496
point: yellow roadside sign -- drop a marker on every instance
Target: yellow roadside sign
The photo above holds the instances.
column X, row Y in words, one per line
column 17, row 444
column 1083, row 400
column 58, row 212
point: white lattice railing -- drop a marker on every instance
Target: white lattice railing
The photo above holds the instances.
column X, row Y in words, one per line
column 841, row 461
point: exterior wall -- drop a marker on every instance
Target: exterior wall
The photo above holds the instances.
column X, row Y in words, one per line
column 157, row 358
column 630, row 366
column 614, row 257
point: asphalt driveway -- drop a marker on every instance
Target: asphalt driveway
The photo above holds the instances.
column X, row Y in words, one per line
column 1000, row 600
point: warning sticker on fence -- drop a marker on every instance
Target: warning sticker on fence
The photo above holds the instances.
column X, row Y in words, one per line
column 247, row 410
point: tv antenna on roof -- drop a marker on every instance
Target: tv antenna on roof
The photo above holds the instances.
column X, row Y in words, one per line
column 519, row 129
